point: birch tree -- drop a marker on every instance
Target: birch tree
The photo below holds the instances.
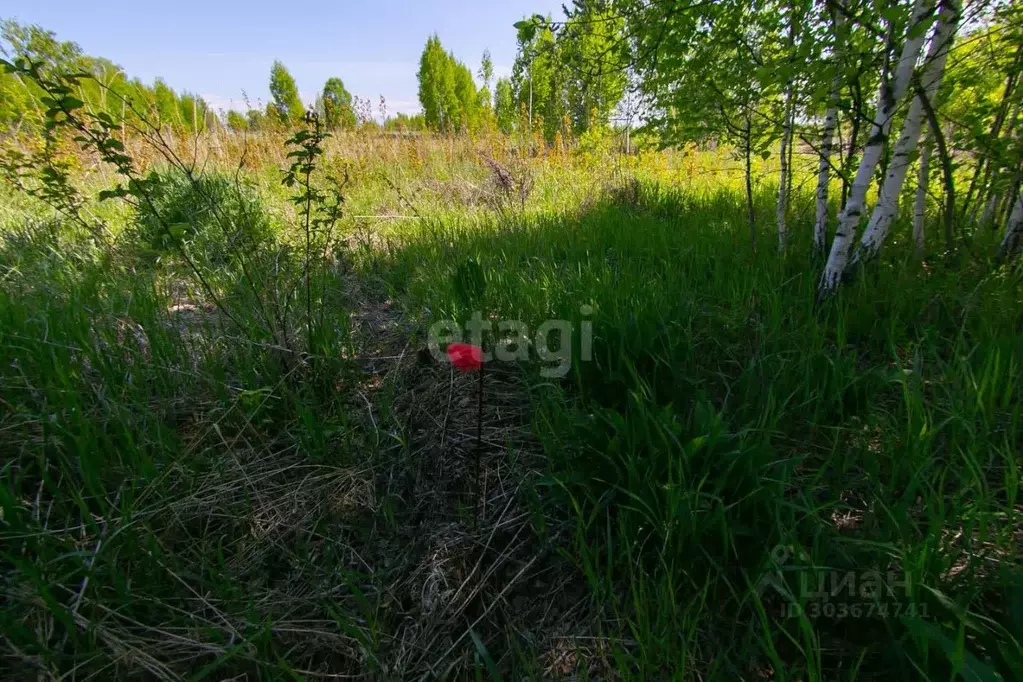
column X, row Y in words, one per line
column 1013, row 232
column 788, row 116
column 887, row 207
column 920, row 201
column 890, row 94
column 820, row 225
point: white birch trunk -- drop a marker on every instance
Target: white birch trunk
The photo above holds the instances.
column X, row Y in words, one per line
column 820, row 226
column 783, row 186
column 887, row 207
column 920, row 203
column 889, row 96
column 1013, row 232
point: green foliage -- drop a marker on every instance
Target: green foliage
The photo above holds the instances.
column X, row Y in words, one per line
column 211, row 216
column 504, row 105
column 39, row 45
column 447, row 91
column 595, row 53
column 575, row 72
column 194, row 112
column 16, row 102
column 288, row 107
column 486, row 73
column 402, row 122
column 236, row 121
column 338, row 113
column 538, row 77
column 102, row 86
column 256, row 119
column 320, row 204
column 166, row 104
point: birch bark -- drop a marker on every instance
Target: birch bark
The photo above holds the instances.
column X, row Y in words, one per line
column 887, row 207
column 820, row 226
column 890, row 94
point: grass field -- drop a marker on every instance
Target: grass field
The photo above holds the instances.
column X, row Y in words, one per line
column 739, row 483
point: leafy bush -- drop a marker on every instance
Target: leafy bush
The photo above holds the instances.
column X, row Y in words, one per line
column 216, row 217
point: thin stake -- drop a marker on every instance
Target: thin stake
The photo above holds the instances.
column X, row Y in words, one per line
column 479, row 442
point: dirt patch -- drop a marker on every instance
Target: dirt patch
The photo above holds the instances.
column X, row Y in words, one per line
column 455, row 546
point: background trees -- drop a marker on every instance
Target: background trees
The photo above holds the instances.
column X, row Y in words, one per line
column 570, row 75
column 236, row 121
column 504, row 105
column 593, row 47
column 769, row 76
column 108, row 90
column 771, row 80
column 447, row 91
column 486, row 74
column 538, row 79
column 287, row 104
column 337, row 105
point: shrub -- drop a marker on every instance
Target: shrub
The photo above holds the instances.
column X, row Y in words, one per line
column 215, row 216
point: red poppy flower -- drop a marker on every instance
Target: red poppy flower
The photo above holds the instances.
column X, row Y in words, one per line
column 465, row 356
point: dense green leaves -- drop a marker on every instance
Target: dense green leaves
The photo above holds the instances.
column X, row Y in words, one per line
column 569, row 77
column 336, row 102
column 287, row 104
column 447, row 91
column 93, row 83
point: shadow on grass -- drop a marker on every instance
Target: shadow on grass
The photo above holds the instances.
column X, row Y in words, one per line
column 725, row 414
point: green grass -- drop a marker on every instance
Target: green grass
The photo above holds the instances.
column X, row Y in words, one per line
column 182, row 497
column 726, row 415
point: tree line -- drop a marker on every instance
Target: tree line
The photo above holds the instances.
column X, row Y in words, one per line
column 567, row 79
column 907, row 102
column 108, row 89
column 551, row 89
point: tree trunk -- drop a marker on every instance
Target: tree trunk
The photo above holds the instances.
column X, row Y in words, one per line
column 820, row 226
column 987, row 217
column 749, row 182
column 786, row 139
column 1013, row 232
column 890, row 94
column 783, row 185
column 854, row 140
column 920, row 203
column 947, row 172
column 887, row 207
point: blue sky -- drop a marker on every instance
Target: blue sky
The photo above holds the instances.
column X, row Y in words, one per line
column 218, row 49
